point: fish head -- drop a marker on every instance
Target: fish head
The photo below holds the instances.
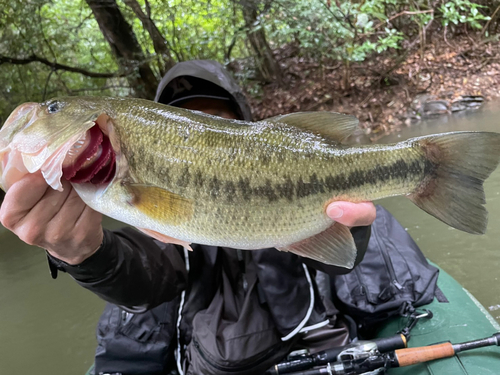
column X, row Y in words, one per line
column 60, row 137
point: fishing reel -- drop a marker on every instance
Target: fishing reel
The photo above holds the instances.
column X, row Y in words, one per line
column 355, row 353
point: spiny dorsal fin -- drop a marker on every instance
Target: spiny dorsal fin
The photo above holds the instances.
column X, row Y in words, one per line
column 334, row 245
column 336, row 126
column 161, row 204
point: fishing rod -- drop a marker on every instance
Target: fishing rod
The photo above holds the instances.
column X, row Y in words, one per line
column 377, row 364
column 352, row 352
column 411, row 356
column 355, row 351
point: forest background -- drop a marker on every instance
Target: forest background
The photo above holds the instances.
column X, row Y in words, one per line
column 388, row 62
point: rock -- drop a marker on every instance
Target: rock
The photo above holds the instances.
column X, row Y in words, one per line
column 427, row 106
column 467, row 102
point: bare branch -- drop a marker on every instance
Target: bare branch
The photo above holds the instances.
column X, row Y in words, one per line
column 405, row 12
column 47, row 84
column 57, row 66
column 148, row 9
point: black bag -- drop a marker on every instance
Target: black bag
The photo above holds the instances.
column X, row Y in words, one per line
column 136, row 343
column 235, row 334
column 393, row 274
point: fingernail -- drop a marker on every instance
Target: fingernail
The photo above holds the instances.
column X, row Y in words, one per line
column 335, row 212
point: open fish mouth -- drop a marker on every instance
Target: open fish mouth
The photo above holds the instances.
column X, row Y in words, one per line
column 74, row 147
column 90, row 159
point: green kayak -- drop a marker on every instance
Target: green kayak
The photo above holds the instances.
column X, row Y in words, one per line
column 460, row 319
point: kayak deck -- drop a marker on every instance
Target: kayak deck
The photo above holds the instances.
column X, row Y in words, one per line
column 462, row 319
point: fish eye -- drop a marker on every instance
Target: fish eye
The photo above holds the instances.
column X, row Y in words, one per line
column 53, row 107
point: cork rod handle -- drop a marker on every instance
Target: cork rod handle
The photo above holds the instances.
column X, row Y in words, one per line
column 411, row 356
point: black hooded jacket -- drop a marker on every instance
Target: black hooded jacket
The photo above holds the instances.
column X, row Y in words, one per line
column 144, row 276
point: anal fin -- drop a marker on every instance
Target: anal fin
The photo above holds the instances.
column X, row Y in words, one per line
column 164, row 238
column 334, row 246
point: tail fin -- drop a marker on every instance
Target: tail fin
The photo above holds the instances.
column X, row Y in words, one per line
column 453, row 192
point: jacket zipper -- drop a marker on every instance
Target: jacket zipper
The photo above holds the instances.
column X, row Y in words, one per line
column 262, row 358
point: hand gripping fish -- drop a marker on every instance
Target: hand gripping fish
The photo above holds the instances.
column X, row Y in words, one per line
column 186, row 177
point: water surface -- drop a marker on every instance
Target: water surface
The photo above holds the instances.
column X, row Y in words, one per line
column 472, row 260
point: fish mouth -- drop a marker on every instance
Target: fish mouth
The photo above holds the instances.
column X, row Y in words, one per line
column 76, row 147
column 91, row 159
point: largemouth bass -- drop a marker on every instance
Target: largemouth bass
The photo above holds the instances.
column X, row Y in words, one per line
column 186, row 177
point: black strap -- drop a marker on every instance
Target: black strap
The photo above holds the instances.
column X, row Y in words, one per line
column 440, row 296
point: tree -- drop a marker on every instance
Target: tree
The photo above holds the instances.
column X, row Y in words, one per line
column 266, row 63
column 160, row 44
column 124, row 45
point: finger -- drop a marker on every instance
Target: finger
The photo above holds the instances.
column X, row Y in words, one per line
column 352, row 214
column 35, row 226
column 20, row 199
column 49, row 205
column 84, row 239
column 69, row 213
column 89, row 220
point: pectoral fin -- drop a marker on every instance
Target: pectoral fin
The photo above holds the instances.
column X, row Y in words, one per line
column 334, row 246
column 160, row 204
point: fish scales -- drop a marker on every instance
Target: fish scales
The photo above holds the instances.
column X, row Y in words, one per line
column 281, row 198
column 215, row 174
column 187, row 177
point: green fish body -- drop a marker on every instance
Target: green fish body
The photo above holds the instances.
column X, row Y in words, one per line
column 202, row 179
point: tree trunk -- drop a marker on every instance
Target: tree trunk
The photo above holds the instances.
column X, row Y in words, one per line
column 267, row 64
column 160, row 44
column 125, row 47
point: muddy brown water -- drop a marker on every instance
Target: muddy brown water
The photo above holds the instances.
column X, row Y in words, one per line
column 48, row 326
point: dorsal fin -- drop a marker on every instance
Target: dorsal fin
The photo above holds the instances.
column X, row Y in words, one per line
column 336, row 126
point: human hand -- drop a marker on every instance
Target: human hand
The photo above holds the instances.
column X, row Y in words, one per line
column 59, row 222
column 352, row 214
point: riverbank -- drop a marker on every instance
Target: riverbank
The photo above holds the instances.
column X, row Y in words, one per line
column 390, row 91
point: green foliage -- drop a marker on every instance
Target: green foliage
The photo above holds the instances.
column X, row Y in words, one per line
column 327, row 31
column 351, row 31
column 61, row 32
column 193, row 29
column 462, row 11
column 65, row 32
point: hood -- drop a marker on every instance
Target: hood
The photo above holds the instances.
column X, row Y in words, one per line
column 208, row 70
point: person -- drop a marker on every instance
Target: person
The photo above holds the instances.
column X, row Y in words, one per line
column 157, row 292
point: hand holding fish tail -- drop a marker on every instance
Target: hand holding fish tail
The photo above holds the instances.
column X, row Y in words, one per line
column 59, row 222
column 352, row 214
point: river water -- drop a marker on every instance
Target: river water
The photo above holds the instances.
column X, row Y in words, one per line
column 47, row 326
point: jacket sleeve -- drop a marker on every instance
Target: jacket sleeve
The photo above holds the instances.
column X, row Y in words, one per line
column 130, row 269
column 361, row 237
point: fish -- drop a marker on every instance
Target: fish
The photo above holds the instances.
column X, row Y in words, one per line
column 186, row 177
